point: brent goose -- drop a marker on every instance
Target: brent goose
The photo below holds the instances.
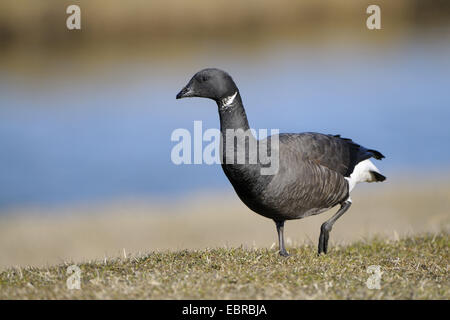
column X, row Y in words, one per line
column 315, row 171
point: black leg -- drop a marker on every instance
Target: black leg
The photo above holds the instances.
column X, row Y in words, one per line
column 327, row 225
column 280, row 230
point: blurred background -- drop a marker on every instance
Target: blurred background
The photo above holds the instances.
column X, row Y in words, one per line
column 86, row 118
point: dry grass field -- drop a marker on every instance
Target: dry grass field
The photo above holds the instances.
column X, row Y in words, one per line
column 211, row 246
column 43, row 237
column 412, row 268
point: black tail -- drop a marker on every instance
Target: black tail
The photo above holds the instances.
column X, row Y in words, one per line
column 378, row 176
column 376, row 154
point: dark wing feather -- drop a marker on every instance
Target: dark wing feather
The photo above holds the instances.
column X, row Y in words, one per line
column 331, row 151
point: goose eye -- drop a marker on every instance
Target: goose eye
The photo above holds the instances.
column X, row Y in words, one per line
column 204, row 78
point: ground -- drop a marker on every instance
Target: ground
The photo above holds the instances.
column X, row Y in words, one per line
column 411, row 268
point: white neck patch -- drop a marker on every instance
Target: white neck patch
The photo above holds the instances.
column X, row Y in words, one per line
column 226, row 102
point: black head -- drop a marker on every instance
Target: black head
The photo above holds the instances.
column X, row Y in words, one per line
column 209, row 83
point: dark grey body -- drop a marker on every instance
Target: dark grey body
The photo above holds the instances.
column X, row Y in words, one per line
column 311, row 175
column 301, row 187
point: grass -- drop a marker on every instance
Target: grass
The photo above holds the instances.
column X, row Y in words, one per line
column 50, row 236
column 413, row 268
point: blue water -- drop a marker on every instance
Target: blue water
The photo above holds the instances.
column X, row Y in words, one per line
column 96, row 138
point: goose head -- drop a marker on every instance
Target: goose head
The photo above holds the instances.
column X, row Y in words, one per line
column 210, row 83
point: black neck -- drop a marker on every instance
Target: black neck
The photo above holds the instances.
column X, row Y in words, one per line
column 232, row 116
